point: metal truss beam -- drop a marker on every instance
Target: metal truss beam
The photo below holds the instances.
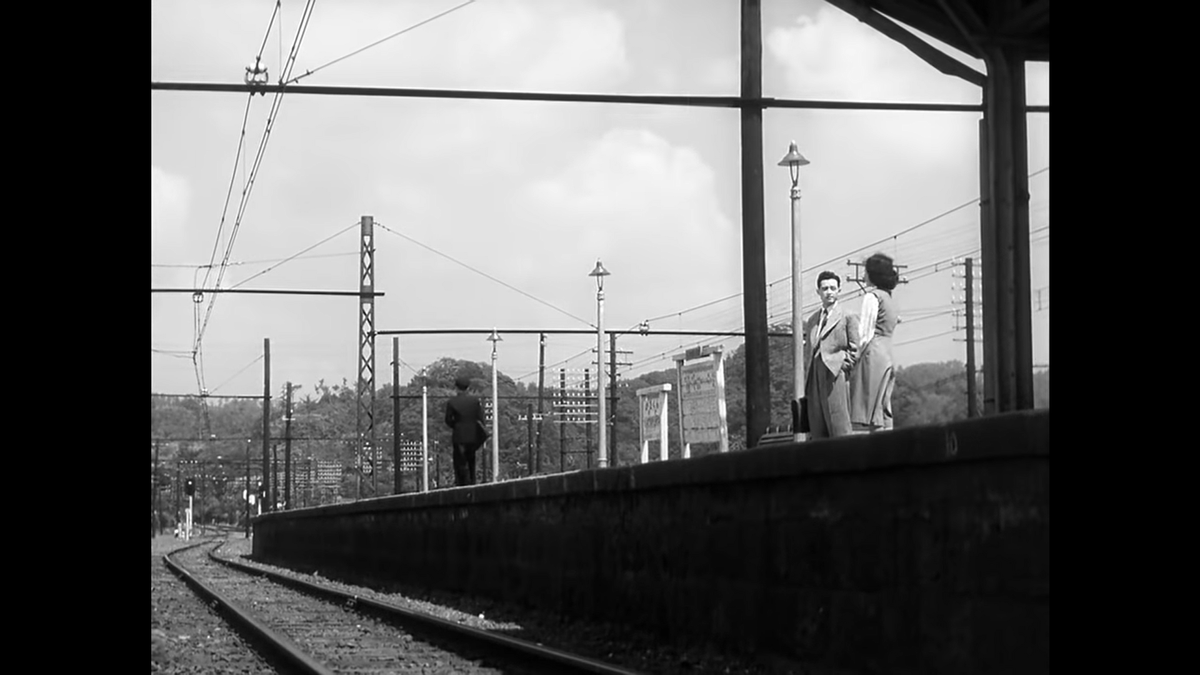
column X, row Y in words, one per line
column 365, row 417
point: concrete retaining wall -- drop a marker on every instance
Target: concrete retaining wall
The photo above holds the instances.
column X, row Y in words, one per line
column 920, row 550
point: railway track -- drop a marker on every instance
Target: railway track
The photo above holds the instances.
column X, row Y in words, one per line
column 311, row 628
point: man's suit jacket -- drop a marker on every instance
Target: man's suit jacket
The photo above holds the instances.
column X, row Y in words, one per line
column 838, row 341
column 464, row 414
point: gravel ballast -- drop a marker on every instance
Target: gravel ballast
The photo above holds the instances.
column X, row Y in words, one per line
column 620, row 645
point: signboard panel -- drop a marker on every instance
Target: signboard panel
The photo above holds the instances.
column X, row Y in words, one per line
column 653, row 404
column 698, row 393
column 702, row 398
column 652, row 417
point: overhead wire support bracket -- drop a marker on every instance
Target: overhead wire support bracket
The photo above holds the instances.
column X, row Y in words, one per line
column 256, row 76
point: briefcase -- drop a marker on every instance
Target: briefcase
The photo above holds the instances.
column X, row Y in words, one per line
column 800, row 415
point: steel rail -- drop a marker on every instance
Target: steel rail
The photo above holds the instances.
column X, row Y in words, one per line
column 389, row 610
column 281, row 646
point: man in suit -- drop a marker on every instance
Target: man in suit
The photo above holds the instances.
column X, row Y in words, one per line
column 464, row 415
column 836, row 336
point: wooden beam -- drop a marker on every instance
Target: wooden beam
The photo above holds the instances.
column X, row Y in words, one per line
column 966, row 12
column 754, row 259
column 923, row 16
column 943, row 62
column 958, row 15
column 1032, row 18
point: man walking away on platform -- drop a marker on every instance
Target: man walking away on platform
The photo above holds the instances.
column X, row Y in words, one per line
column 464, row 415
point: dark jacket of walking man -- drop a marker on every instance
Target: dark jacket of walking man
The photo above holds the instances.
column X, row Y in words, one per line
column 464, row 415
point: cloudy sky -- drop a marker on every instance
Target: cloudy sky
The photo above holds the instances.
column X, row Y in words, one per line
column 492, row 213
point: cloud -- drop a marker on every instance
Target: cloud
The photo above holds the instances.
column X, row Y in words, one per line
column 834, row 56
column 169, row 198
column 637, row 202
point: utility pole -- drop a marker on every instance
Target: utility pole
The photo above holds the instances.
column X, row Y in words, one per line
column 495, row 338
column 562, row 427
column 154, row 524
column 395, row 415
column 529, row 436
column 529, row 417
column 246, row 497
column 972, row 405
column 424, row 432
column 287, row 449
column 587, row 428
column 177, row 488
column 541, row 389
column 266, row 459
column 968, row 300
column 860, row 279
column 612, row 395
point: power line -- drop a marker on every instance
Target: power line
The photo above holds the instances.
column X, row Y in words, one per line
column 260, row 358
column 290, row 258
column 813, row 268
column 178, row 354
column 378, row 42
column 921, row 339
column 484, row 274
column 269, row 24
column 258, row 262
column 249, row 187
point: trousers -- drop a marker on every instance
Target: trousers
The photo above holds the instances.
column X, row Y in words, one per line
column 464, row 464
column 828, row 403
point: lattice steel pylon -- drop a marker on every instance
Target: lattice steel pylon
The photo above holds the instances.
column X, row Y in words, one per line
column 365, row 417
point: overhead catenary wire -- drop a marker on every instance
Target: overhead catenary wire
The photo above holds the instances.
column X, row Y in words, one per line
column 257, row 262
column 379, row 42
column 296, row 256
column 923, row 338
column 239, row 372
column 839, row 258
column 484, row 274
column 239, row 157
column 249, row 185
column 276, row 102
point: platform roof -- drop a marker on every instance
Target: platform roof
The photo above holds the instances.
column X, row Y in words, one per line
column 969, row 25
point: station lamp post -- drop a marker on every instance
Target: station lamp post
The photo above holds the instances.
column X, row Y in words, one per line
column 602, row 419
column 793, row 160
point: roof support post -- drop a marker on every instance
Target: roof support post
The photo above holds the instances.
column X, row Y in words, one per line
column 1004, row 236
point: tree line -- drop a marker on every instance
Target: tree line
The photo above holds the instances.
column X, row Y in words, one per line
column 324, row 419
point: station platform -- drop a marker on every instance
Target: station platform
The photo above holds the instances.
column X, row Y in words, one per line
column 923, row 550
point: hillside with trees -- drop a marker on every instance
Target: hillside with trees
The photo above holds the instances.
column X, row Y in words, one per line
column 220, row 432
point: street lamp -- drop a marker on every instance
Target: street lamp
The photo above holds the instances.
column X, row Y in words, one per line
column 494, row 338
column 600, row 273
column 793, row 160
